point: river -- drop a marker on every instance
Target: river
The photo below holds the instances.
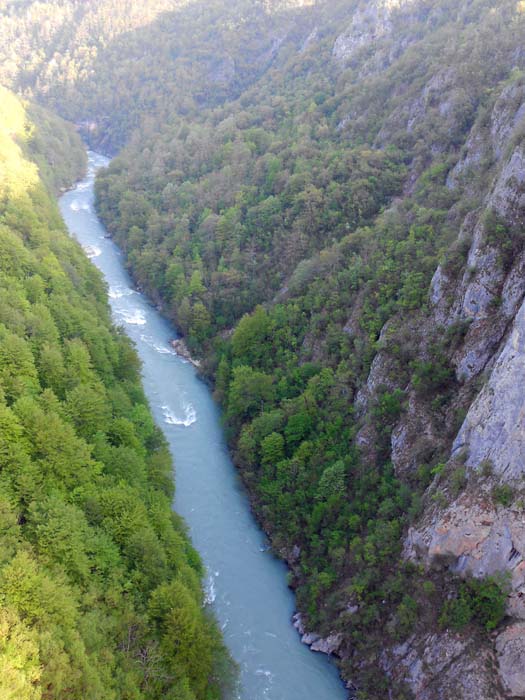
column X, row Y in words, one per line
column 245, row 584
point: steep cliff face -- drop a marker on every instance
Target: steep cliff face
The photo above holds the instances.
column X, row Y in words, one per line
column 472, row 523
column 481, row 531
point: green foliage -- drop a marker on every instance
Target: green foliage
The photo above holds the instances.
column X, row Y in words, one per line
column 332, row 481
column 457, row 612
column 503, row 494
column 430, row 377
column 388, row 407
column 458, row 480
column 249, row 392
column 272, row 449
column 20, row 670
column 88, row 541
column 486, row 467
column 406, row 617
column 482, row 600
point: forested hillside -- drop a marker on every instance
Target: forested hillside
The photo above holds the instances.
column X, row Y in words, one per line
column 321, row 203
column 100, row 594
column 327, row 198
column 82, row 59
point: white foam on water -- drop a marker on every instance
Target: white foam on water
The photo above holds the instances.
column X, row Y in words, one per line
column 264, row 672
column 92, row 251
column 96, row 162
column 269, row 679
column 79, row 206
column 170, row 418
column 164, row 350
column 119, row 292
column 161, row 349
column 135, row 317
column 210, row 593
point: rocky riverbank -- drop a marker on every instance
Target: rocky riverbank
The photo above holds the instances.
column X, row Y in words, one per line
column 182, row 350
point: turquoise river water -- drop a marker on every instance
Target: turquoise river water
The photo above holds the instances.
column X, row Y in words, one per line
column 246, row 584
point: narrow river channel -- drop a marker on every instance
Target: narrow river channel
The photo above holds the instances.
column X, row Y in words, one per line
column 245, row 584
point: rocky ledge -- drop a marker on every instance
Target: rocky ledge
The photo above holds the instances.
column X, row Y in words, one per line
column 325, row 645
column 181, row 349
column 331, row 645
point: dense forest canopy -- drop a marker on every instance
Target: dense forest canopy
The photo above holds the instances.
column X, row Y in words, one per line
column 100, row 591
column 293, row 175
column 95, row 63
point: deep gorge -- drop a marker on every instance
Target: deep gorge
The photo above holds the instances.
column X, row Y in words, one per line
column 244, row 584
column 326, row 199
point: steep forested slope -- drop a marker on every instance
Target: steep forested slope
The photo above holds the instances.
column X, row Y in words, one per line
column 83, row 59
column 328, row 200
column 100, row 591
column 329, row 193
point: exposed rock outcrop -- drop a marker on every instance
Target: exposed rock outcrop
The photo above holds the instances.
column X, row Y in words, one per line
column 494, row 428
column 488, row 295
column 444, row 665
column 325, row 645
column 474, row 537
column 510, row 646
column 182, row 350
column 371, row 22
column 475, row 534
column 328, row 645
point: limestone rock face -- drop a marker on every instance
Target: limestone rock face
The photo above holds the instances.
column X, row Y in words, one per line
column 508, row 196
column 473, row 537
column 412, row 436
column 371, row 22
column 325, row 645
column 476, row 150
column 490, row 142
column 368, row 25
column 487, row 299
column 444, row 665
column 329, row 645
column 378, row 377
column 510, row 646
column 310, row 40
column 485, row 285
column 310, row 638
column 507, row 115
column 494, row 428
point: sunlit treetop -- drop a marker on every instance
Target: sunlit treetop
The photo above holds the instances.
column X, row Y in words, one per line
column 17, row 174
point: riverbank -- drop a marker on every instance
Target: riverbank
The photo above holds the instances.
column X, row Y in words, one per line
column 180, row 347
